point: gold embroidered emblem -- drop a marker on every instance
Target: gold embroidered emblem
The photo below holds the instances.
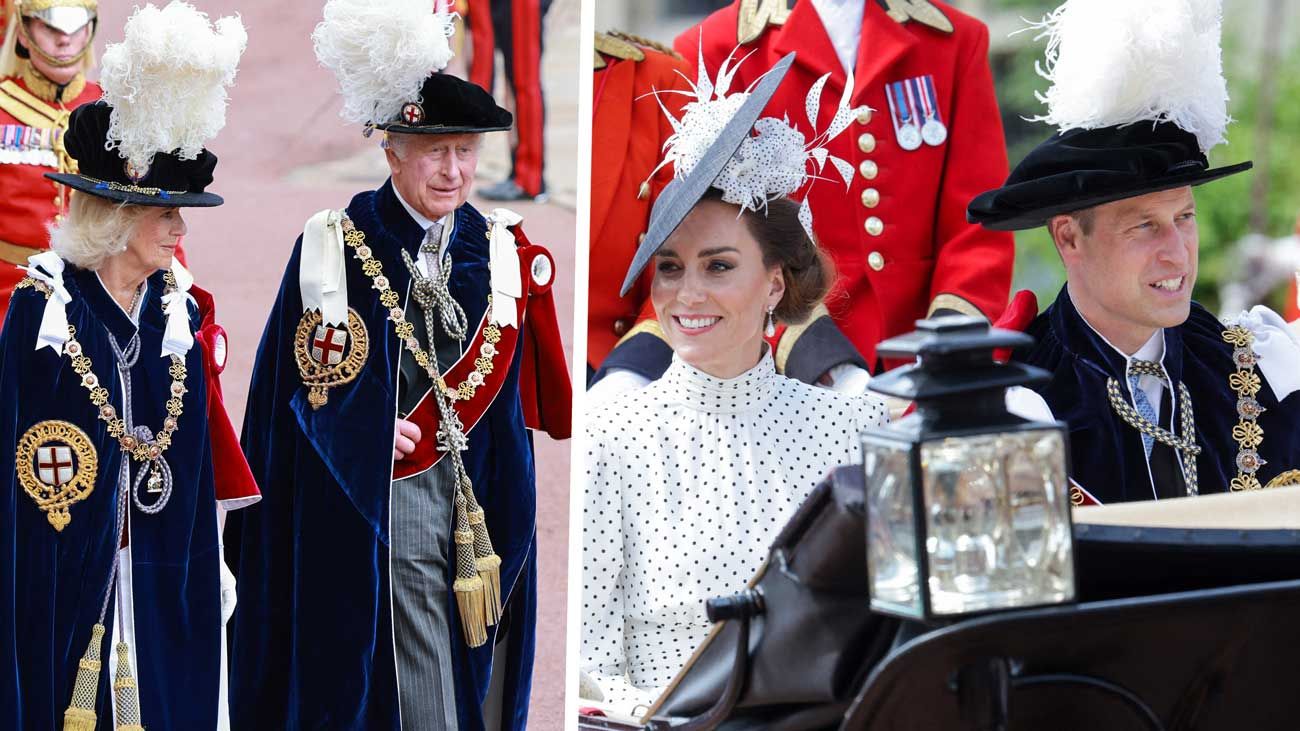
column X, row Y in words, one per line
column 57, row 465
column 329, row 356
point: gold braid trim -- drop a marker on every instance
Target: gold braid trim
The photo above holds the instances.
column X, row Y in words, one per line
column 792, row 334
column 48, row 91
column 646, row 42
column 123, row 188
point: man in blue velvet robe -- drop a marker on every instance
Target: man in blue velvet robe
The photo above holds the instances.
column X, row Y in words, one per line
column 350, row 580
column 1161, row 398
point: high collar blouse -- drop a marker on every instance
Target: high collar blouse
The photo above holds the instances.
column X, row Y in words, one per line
column 687, row 482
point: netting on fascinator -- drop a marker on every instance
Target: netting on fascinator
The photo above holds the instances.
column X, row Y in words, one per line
column 775, row 160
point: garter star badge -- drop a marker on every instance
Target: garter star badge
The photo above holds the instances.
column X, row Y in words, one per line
column 57, row 465
column 327, row 355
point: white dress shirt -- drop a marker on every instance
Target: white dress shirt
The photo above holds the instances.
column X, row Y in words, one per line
column 843, row 22
column 428, row 268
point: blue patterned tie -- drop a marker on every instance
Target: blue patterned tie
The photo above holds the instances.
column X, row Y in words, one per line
column 1144, row 410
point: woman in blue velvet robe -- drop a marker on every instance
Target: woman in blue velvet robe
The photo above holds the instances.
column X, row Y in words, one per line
column 313, row 640
column 54, row 581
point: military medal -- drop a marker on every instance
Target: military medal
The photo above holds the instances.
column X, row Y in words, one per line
column 933, row 131
column 903, row 114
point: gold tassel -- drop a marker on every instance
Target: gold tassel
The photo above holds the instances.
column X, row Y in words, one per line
column 470, row 598
column 470, row 602
column 80, row 715
column 125, row 693
column 486, row 561
column 488, row 565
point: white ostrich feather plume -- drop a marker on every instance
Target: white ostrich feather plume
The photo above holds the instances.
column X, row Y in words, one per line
column 381, row 51
column 774, row 162
column 1117, row 62
column 167, row 79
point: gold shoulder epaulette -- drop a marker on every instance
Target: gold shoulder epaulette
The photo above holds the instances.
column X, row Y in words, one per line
column 26, row 107
column 645, row 43
column 756, row 15
column 922, row 11
column 610, row 44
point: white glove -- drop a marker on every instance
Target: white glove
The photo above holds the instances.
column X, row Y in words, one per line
column 228, row 596
column 617, row 381
column 848, row 379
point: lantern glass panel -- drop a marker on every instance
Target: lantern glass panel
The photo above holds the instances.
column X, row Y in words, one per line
column 892, row 560
column 998, row 532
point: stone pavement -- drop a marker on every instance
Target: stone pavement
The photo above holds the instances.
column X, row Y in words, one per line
column 286, row 154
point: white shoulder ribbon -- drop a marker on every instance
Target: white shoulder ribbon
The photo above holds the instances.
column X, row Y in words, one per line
column 322, row 275
column 48, row 267
column 177, row 337
column 507, row 286
column 1277, row 347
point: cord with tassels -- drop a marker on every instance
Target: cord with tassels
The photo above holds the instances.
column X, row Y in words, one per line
column 126, row 696
column 80, row 715
column 478, row 568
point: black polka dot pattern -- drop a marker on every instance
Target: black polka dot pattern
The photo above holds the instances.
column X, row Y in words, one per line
column 688, row 481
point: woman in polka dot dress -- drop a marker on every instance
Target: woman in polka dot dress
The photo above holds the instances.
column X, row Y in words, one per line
column 690, row 478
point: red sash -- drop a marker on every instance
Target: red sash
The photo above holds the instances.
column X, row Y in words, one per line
column 425, row 414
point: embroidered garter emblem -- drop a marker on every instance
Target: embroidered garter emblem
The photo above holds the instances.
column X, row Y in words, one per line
column 328, row 356
column 57, row 465
column 412, row 114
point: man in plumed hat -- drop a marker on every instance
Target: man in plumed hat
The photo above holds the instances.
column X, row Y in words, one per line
column 48, row 48
column 389, row 581
column 1162, row 399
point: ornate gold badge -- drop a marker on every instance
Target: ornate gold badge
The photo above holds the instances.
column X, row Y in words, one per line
column 57, row 465
column 329, row 356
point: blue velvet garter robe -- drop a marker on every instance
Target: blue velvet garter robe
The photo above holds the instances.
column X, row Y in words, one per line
column 313, row 639
column 1108, row 458
column 53, row 582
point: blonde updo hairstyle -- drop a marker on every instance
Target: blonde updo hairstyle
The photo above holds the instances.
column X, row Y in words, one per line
column 807, row 271
column 93, row 230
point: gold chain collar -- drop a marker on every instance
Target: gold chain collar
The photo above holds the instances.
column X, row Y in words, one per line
column 1245, row 382
column 484, row 364
column 1185, row 446
column 140, row 451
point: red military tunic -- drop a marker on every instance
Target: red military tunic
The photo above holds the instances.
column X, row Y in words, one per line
column 31, row 144
column 627, row 135
column 899, row 238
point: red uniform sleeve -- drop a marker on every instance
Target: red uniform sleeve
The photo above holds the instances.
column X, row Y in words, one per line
column 972, row 263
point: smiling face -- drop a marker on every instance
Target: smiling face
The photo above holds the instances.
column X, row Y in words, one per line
column 153, row 240
column 711, row 291
column 64, row 48
column 1131, row 264
column 433, row 173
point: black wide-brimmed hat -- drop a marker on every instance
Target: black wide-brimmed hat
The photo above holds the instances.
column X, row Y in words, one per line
column 682, row 193
column 1081, row 168
column 169, row 181
column 450, row 105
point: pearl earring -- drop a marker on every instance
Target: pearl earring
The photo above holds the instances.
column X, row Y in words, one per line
column 770, row 330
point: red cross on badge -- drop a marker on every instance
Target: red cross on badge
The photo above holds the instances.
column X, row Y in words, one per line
column 54, row 465
column 412, row 113
column 327, row 345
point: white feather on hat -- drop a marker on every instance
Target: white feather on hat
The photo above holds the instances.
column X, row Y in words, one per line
column 167, row 79
column 1117, row 62
column 381, row 51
